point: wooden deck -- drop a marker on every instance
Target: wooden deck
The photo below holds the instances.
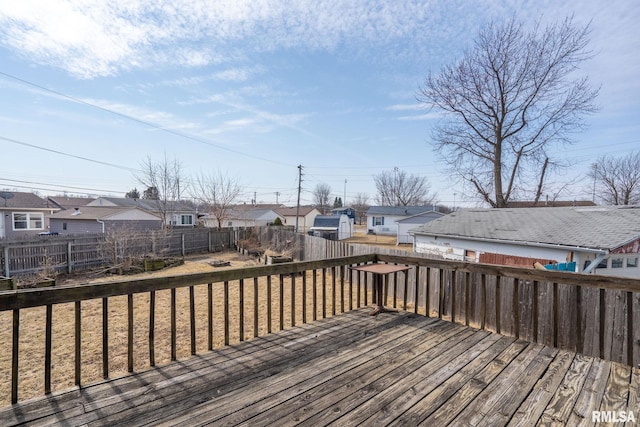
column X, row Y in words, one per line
column 354, row 369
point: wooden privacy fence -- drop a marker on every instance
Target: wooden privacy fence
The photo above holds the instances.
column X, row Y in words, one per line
column 595, row 315
column 79, row 252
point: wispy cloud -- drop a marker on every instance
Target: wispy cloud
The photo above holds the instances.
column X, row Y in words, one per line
column 96, row 38
column 427, row 116
column 406, row 107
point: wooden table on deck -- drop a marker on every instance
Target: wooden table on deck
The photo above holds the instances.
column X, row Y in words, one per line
column 379, row 271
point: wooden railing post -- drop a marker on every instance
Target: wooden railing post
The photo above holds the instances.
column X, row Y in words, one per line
column 152, row 328
column 130, row 332
column 268, row 304
column 173, row 326
column 192, row 318
column 241, row 309
column 47, row 349
column 281, row 302
column 78, row 343
column 15, row 356
column 255, row 307
column 105, row 338
column 292, row 304
column 210, row 316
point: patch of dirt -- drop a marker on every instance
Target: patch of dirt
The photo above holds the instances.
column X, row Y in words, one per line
column 201, row 263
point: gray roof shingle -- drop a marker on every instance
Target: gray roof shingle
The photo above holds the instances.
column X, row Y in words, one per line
column 598, row 227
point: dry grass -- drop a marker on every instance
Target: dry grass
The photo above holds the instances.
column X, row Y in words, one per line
column 31, row 346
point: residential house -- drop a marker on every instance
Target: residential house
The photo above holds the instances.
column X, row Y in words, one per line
column 350, row 212
column 598, row 239
column 103, row 219
column 332, row 227
column 305, row 215
column 409, row 223
column 250, row 216
column 383, row 219
column 24, row 214
column 177, row 214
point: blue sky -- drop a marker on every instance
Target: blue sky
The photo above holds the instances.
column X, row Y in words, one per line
column 252, row 89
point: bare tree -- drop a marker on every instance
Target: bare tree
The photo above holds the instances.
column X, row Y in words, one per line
column 360, row 204
column 167, row 179
column 397, row 188
column 617, row 179
column 321, row 194
column 510, row 98
column 217, row 192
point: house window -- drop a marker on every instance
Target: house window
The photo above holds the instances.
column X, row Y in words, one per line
column 28, row 221
column 632, row 262
column 186, row 219
column 470, row 254
column 603, row 263
column 616, row 262
column 64, row 226
column 378, row 220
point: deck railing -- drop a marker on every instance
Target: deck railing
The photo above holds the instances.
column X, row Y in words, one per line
column 142, row 323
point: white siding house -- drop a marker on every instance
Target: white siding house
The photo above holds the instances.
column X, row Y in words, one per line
column 306, row 216
column 383, row 220
column 601, row 240
column 251, row 217
column 177, row 213
column 103, row 219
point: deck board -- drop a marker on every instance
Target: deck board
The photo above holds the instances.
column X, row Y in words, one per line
column 354, row 369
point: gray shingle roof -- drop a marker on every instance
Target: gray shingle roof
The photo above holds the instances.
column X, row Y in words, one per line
column 291, row 211
column 145, row 204
column 22, row 200
column 598, row 227
column 92, row 212
column 421, row 218
column 399, row 210
column 66, row 202
column 248, row 214
column 327, row 221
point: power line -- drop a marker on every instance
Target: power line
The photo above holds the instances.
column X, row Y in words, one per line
column 137, row 120
column 57, row 185
column 26, row 144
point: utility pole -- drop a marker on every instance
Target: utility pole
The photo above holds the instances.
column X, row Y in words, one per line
column 395, row 186
column 299, row 190
column 595, row 177
column 277, row 194
column 344, row 199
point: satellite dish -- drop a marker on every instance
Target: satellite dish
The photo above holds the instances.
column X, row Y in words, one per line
column 6, row 196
